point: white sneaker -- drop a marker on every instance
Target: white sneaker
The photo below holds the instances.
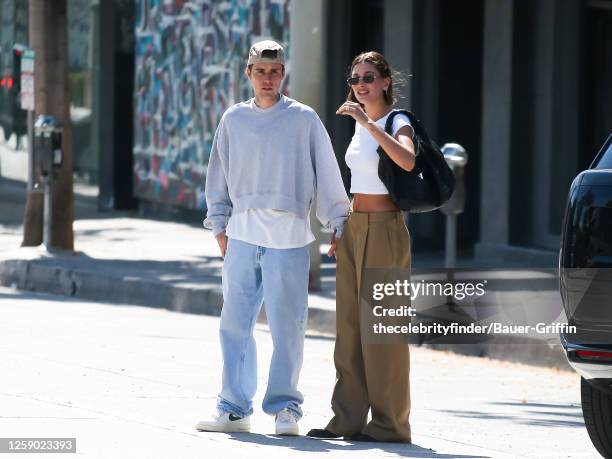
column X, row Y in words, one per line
column 286, row 423
column 225, row 422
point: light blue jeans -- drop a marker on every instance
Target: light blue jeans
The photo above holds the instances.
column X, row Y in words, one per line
column 252, row 274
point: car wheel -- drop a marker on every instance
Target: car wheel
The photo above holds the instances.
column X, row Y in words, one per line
column 597, row 412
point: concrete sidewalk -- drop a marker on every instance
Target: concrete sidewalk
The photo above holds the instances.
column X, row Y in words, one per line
column 123, row 258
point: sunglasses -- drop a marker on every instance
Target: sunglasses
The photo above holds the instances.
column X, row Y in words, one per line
column 368, row 79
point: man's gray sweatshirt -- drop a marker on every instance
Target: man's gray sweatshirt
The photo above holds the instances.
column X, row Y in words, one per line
column 273, row 158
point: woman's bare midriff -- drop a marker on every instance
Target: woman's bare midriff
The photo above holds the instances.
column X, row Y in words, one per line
column 373, row 203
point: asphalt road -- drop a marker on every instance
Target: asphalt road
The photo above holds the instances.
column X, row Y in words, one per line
column 132, row 382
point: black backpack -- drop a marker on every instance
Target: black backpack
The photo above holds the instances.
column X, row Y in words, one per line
column 429, row 184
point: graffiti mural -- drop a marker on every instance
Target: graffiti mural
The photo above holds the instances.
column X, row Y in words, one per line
column 190, row 62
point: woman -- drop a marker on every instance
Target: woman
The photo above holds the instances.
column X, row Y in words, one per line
column 370, row 376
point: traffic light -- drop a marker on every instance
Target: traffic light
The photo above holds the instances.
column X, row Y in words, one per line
column 14, row 82
column 12, row 118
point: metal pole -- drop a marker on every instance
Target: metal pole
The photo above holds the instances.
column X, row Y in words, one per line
column 30, row 150
column 451, row 253
column 456, row 158
column 47, row 206
column 451, row 241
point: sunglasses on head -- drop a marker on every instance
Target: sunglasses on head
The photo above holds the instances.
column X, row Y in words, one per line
column 352, row 81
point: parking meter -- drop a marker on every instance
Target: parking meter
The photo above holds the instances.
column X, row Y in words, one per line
column 48, row 157
column 48, row 154
column 457, row 158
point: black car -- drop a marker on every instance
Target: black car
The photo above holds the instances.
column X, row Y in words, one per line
column 585, row 281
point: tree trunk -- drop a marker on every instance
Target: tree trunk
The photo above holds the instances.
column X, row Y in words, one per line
column 33, row 215
column 49, row 39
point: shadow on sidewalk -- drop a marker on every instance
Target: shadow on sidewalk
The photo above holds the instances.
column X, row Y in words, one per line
column 531, row 414
column 323, row 446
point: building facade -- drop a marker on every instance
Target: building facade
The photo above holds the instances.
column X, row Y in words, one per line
column 523, row 86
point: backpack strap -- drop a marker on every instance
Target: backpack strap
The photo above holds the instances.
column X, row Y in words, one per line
column 388, row 125
column 393, row 114
column 419, row 132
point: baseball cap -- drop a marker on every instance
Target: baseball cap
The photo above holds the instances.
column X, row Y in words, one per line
column 266, row 51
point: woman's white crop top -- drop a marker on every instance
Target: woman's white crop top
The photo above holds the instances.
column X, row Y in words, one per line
column 362, row 157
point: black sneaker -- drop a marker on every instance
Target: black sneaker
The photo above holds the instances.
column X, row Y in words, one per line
column 321, row 433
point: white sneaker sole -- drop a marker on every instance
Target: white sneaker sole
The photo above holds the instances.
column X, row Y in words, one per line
column 233, row 427
column 293, row 430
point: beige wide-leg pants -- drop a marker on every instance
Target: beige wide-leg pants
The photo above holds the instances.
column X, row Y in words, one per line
column 369, row 376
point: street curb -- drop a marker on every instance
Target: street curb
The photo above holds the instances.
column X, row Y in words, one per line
column 38, row 275
column 34, row 276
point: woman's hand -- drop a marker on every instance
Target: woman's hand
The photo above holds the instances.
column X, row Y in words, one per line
column 222, row 241
column 354, row 110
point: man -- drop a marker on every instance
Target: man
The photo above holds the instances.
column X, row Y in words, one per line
column 269, row 154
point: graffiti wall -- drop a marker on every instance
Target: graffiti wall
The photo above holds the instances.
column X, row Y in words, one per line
column 190, row 62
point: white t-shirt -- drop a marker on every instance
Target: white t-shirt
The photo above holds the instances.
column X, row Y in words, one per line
column 362, row 157
column 274, row 229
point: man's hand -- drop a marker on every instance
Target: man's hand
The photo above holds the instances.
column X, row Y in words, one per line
column 334, row 245
column 222, row 241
